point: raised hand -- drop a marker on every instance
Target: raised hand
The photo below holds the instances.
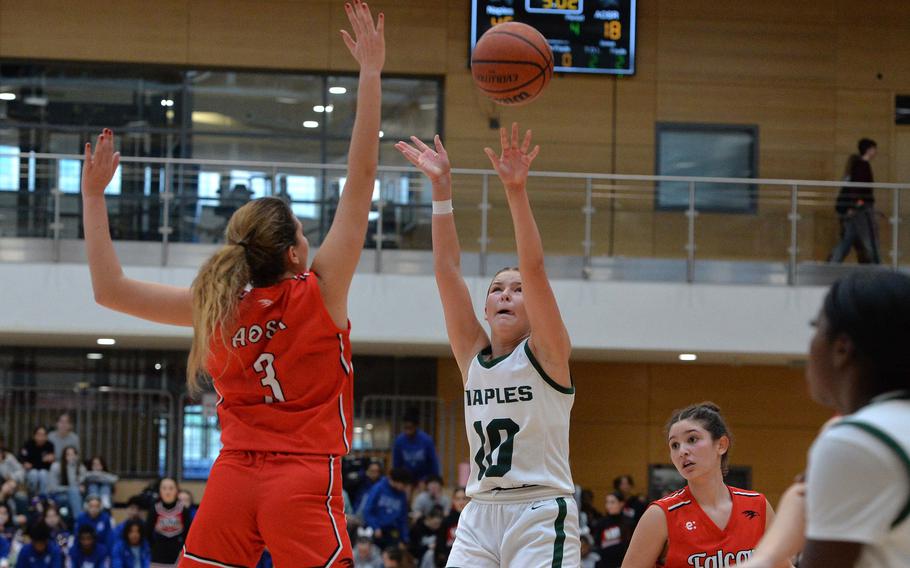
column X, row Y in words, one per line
column 513, row 163
column 368, row 43
column 99, row 167
column 433, row 163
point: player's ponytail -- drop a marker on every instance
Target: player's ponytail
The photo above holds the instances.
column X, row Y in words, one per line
column 258, row 236
column 708, row 415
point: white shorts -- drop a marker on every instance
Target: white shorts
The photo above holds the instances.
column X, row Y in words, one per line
column 537, row 534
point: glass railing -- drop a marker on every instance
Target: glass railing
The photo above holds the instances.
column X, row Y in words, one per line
column 593, row 225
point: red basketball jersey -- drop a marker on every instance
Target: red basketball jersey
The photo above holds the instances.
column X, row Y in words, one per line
column 284, row 379
column 694, row 541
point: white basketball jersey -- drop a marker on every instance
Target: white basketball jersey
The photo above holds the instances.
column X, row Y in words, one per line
column 517, row 421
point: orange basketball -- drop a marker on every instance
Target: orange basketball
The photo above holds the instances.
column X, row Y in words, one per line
column 512, row 63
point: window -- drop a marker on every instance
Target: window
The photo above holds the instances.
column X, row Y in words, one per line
column 902, row 109
column 707, row 150
column 9, row 168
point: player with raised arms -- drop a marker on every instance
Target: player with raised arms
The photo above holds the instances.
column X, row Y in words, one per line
column 518, row 391
column 274, row 338
column 707, row 523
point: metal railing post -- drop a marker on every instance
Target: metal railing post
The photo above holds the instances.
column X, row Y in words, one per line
column 793, row 250
column 895, row 229
column 484, row 220
column 587, row 244
column 56, row 226
column 691, row 213
column 165, row 229
column 378, row 236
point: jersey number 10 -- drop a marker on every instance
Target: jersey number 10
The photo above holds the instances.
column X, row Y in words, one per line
column 264, row 365
column 504, row 458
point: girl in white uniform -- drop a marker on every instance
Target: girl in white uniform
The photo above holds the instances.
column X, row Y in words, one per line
column 518, row 392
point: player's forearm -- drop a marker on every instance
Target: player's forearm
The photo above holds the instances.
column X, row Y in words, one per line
column 103, row 263
column 446, row 248
column 363, row 153
column 527, row 236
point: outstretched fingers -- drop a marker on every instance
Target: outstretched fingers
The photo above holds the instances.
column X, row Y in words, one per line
column 494, row 159
column 514, row 144
column 533, row 154
column 410, row 153
column 420, row 145
column 440, row 149
column 526, row 143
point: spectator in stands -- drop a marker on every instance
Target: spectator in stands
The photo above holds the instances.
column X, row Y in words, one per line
column 395, row 557
column 87, row 552
column 612, row 533
column 590, row 558
column 424, row 535
column 856, row 209
column 586, row 507
column 431, row 497
column 59, row 531
column 135, row 511
column 65, row 481
column 414, row 449
column 10, row 468
column 131, row 549
column 100, row 481
column 186, row 499
column 96, row 517
column 16, row 505
column 633, row 504
column 447, row 535
column 37, row 455
column 168, row 524
column 63, row 436
column 7, row 531
column 371, row 476
column 366, row 554
column 385, row 509
column 41, row 550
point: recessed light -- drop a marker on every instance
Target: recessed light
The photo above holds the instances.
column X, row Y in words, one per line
column 310, row 124
column 157, row 366
column 381, row 133
column 337, row 90
column 7, row 96
column 106, row 341
column 329, row 108
column 319, row 108
column 167, row 102
column 94, row 356
column 688, row 356
column 369, row 426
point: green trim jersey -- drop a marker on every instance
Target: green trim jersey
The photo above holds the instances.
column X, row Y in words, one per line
column 517, row 421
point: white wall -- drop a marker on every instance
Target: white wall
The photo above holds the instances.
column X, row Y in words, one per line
column 52, row 304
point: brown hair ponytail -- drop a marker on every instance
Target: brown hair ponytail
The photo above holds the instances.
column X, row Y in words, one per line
column 258, row 237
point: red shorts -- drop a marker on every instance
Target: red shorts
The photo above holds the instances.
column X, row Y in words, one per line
column 289, row 503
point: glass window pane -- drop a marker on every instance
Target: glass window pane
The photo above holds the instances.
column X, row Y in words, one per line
column 707, row 151
column 9, row 168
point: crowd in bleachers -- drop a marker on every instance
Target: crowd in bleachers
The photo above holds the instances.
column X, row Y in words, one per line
column 56, row 510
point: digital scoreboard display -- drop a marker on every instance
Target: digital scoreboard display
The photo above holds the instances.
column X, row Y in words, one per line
column 587, row 36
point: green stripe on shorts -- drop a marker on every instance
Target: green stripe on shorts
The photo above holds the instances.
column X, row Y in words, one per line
column 560, row 527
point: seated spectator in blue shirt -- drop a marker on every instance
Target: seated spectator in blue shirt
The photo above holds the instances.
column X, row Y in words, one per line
column 41, row 552
column 135, row 511
column 131, row 550
column 4, row 547
column 87, row 552
column 370, row 477
column 99, row 519
column 385, row 509
column 414, row 450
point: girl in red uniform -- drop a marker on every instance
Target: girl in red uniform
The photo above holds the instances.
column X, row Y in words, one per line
column 275, row 341
column 707, row 524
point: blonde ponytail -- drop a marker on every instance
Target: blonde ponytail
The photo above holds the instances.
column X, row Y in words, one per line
column 216, row 292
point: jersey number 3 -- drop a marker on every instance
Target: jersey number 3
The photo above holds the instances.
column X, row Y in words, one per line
column 504, row 458
column 264, row 365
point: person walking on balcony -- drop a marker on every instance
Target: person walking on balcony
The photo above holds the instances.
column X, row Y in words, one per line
column 856, row 209
column 275, row 339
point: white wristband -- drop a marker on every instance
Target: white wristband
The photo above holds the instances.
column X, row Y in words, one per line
column 442, row 207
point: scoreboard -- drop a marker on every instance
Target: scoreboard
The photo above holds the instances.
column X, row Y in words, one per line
column 586, row 36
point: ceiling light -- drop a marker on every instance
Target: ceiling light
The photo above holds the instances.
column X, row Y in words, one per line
column 688, row 356
column 310, row 124
column 106, row 341
column 329, row 108
column 337, row 90
column 7, row 96
column 167, row 102
column 157, row 366
column 288, row 100
column 381, row 133
column 94, row 356
column 319, row 108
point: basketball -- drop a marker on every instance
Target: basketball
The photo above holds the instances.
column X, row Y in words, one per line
column 512, row 63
